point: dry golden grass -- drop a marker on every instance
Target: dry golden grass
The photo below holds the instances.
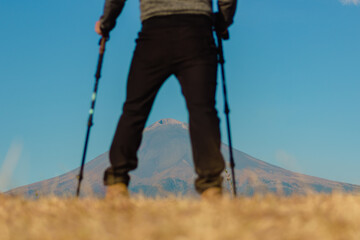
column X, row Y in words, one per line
column 326, row 217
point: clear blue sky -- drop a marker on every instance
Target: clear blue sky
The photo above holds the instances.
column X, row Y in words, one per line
column 293, row 73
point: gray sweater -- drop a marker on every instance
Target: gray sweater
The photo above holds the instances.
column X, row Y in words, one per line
column 152, row 8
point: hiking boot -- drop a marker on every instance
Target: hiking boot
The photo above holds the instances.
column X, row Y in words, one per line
column 213, row 193
column 118, row 190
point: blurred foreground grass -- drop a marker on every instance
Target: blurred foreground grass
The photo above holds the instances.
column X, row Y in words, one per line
column 327, row 217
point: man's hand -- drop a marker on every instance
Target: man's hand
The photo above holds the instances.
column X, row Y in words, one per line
column 98, row 29
column 220, row 26
column 225, row 35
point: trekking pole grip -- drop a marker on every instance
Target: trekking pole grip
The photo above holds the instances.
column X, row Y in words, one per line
column 102, row 45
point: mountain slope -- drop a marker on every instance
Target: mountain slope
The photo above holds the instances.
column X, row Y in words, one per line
column 165, row 166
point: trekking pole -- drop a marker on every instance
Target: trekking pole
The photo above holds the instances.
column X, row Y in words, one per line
column 226, row 107
column 91, row 112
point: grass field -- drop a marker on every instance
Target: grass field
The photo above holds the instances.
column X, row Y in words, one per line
column 326, row 217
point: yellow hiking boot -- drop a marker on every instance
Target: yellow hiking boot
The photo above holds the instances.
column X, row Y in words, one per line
column 118, row 190
column 213, row 193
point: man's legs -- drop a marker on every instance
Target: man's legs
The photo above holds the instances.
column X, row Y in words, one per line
column 197, row 76
column 147, row 74
column 182, row 45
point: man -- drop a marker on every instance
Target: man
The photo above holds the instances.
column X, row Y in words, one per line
column 176, row 38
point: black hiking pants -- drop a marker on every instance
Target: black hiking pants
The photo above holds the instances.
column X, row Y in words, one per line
column 182, row 45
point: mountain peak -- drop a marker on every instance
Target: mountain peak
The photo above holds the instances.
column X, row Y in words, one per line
column 167, row 122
